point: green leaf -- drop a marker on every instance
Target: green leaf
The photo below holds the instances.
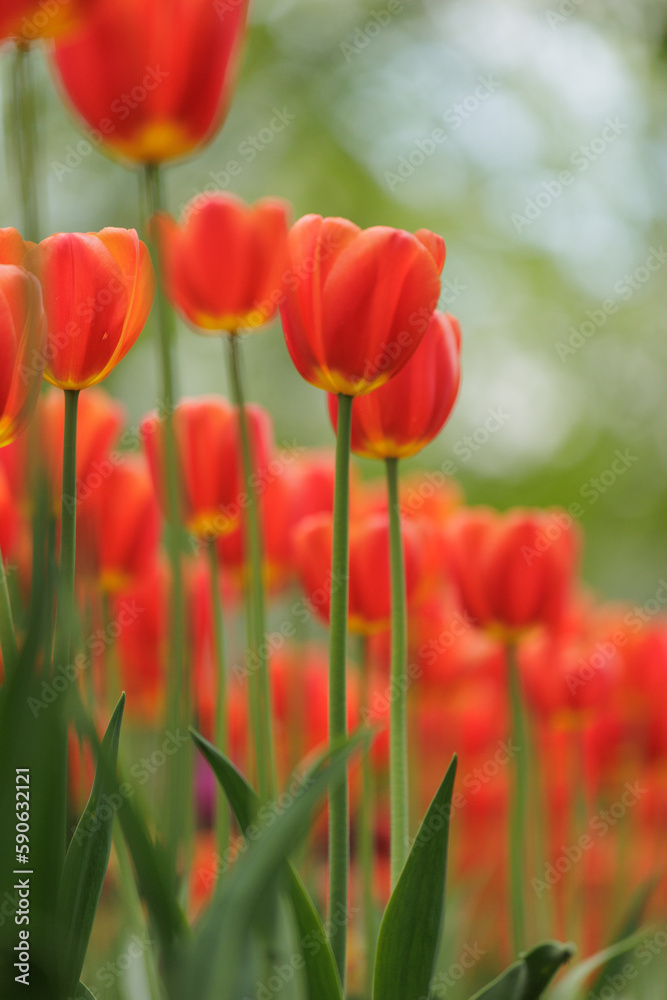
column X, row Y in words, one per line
column 571, row 984
column 87, row 860
column 631, row 923
column 154, row 879
column 213, row 969
column 320, row 967
column 411, row 928
column 529, row 977
column 83, row 993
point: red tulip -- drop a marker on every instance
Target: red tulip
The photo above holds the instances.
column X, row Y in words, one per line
column 119, row 526
column 153, row 83
column 209, row 459
column 369, row 609
column 21, row 341
column 13, row 247
column 101, row 420
column 402, row 416
column 9, row 517
column 357, row 302
column 98, row 289
column 513, row 570
column 27, row 20
column 224, row 262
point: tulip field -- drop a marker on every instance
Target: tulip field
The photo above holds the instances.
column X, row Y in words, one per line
column 333, row 641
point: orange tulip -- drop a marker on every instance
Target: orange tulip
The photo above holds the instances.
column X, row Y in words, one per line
column 208, row 454
column 153, row 83
column 224, row 262
column 119, row 526
column 369, row 607
column 513, row 570
column 357, row 302
column 21, row 341
column 98, row 289
column 402, row 416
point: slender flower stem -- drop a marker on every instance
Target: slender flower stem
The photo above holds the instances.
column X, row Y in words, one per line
column 65, row 607
column 518, row 804
column 7, row 633
column 222, row 810
column 178, row 696
column 398, row 728
column 366, row 831
column 266, row 761
column 339, row 832
column 25, row 137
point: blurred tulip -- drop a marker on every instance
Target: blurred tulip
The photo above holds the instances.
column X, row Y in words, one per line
column 153, row 83
column 27, row 20
column 101, row 420
column 369, row 609
column 402, row 416
column 208, row 456
column 357, row 302
column 514, row 570
column 119, row 526
column 98, row 290
column 9, row 518
column 224, row 262
column 21, row 342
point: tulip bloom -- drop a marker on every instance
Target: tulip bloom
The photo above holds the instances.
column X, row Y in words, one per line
column 514, row 570
column 119, row 525
column 27, row 20
column 369, row 608
column 402, row 416
column 357, row 302
column 224, row 262
column 153, row 83
column 21, row 340
column 208, row 456
column 98, row 290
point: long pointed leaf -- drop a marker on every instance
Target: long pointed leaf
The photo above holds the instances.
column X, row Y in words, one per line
column 631, row 923
column 320, row 966
column 411, row 928
column 528, row 978
column 212, row 972
column 573, row 982
column 87, row 860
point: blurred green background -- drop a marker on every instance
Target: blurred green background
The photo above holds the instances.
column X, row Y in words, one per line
column 558, row 278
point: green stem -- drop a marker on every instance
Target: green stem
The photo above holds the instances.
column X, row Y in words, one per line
column 339, row 833
column 366, row 837
column 7, row 634
column 517, row 829
column 266, row 761
column 65, row 607
column 25, row 118
column 222, row 809
column 134, row 909
column 180, row 825
column 398, row 723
